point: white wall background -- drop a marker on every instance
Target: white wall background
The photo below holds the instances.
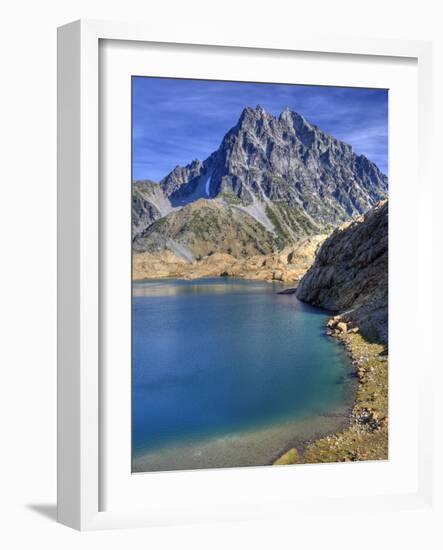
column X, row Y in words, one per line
column 28, row 272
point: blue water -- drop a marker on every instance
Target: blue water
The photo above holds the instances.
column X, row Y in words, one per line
column 220, row 356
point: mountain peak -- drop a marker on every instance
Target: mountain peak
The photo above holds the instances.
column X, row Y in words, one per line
column 250, row 114
column 286, row 113
column 286, row 162
column 288, row 117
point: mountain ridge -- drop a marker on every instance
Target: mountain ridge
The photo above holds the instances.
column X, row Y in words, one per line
column 290, row 176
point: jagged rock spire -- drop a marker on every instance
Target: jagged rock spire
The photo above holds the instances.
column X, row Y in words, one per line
column 287, row 160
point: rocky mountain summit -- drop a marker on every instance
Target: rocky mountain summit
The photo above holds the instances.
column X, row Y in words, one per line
column 291, row 177
column 350, row 274
column 284, row 160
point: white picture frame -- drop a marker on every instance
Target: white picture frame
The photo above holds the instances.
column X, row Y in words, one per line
column 80, row 264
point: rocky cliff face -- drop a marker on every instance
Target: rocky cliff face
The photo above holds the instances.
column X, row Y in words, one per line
column 350, row 273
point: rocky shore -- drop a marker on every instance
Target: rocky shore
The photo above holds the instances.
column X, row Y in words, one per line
column 366, row 436
column 350, row 276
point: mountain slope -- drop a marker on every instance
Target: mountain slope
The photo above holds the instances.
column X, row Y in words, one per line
column 350, row 273
column 204, row 227
column 149, row 203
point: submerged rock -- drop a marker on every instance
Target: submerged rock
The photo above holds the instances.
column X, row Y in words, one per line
column 288, row 291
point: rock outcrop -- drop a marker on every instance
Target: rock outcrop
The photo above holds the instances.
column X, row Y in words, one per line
column 350, row 275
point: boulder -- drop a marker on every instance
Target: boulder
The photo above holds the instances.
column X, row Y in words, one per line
column 290, row 457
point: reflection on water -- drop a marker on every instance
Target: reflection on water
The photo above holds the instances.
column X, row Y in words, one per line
column 173, row 287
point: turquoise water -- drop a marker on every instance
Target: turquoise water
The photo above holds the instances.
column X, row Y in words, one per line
column 218, row 358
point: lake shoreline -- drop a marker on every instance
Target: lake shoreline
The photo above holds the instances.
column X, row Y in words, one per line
column 364, row 435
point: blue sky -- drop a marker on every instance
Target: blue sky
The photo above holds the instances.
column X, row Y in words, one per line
column 176, row 121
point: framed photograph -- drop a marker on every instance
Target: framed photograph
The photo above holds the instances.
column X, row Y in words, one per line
column 235, row 225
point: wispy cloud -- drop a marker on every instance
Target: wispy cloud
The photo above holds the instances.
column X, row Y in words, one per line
column 176, row 121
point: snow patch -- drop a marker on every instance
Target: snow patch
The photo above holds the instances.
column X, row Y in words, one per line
column 207, row 187
column 201, row 191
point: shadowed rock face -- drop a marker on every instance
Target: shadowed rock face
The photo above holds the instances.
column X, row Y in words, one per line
column 350, row 273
